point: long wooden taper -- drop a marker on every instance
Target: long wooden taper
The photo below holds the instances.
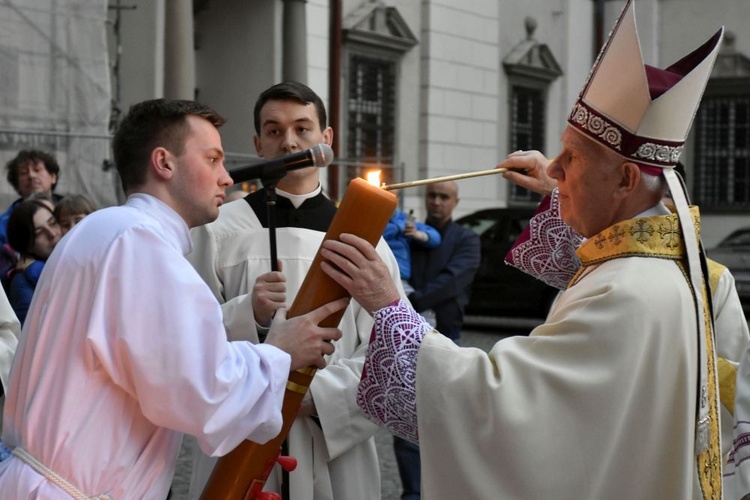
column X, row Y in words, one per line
column 434, row 180
column 364, row 211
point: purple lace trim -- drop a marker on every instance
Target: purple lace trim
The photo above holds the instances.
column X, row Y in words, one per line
column 547, row 247
column 387, row 391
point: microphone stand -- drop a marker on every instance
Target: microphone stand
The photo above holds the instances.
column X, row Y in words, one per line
column 269, row 181
column 269, row 186
column 271, row 213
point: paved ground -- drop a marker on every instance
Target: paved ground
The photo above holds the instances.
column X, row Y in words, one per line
column 391, row 484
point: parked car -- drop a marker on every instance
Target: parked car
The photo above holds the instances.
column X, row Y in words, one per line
column 734, row 252
column 500, row 289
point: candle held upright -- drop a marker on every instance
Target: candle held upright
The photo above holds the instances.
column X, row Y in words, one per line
column 364, row 211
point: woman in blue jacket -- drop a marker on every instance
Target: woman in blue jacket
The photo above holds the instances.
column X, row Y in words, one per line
column 33, row 232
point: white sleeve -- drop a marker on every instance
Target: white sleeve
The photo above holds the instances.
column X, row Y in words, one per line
column 237, row 312
column 10, row 329
column 343, row 422
column 165, row 345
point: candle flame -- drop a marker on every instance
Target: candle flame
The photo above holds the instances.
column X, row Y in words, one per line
column 374, row 177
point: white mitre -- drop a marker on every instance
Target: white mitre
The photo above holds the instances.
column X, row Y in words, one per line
column 639, row 111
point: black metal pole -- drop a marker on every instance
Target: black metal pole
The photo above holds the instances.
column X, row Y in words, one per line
column 271, row 212
column 270, row 187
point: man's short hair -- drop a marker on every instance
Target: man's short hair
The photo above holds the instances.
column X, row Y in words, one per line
column 151, row 124
column 290, row 91
column 32, row 156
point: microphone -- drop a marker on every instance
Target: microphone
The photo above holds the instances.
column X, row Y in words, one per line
column 320, row 155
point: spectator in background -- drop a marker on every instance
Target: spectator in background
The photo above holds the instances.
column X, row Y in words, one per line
column 72, row 209
column 401, row 232
column 331, row 438
column 31, row 171
column 33, row 230
column 441, row 278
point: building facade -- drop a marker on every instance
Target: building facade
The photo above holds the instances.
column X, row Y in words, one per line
column 428, row 88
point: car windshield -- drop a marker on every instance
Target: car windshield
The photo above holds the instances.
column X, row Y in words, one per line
column 738, row 239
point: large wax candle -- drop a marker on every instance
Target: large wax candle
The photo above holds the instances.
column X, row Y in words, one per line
column 364, row 211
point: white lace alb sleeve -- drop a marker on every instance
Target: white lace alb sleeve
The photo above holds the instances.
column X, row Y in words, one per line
column 547, row 247
column 387, row 391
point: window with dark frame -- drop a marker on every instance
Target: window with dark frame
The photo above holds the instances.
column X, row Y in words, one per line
column 527, row 111
column 722, row 159
column 371, row 113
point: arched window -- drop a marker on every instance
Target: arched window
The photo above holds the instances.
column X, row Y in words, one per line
column 531, row 68
column 376, row 37
column 722, row 135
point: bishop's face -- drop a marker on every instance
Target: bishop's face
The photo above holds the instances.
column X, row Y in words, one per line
column 288, row 127
column 586, row 184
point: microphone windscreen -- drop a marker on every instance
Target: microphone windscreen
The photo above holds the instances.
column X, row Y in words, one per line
column 322, row 155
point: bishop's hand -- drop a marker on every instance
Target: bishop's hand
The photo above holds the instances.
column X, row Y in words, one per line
column 354, row 264
column 528, row 169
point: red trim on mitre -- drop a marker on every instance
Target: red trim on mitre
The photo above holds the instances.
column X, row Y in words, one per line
column 655, row 171
column 661, row 80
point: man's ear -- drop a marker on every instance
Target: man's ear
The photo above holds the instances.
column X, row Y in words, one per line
column 328, row 136
column 630, row 176
column 162, row 163
column 258, row 146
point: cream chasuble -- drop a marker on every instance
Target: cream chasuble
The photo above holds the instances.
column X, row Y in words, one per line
column 599, row 402
column 546, row 250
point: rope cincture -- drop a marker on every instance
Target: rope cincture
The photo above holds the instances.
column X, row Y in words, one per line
column 53, row 476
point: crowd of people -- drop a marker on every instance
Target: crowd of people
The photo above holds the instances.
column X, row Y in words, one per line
column 167, row 316
column 34, row 223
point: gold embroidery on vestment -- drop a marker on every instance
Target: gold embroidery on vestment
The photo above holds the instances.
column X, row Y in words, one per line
column 616, row 235
column 636, row 237
column 670, row 231
column 643, row 230
column 709, row 462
